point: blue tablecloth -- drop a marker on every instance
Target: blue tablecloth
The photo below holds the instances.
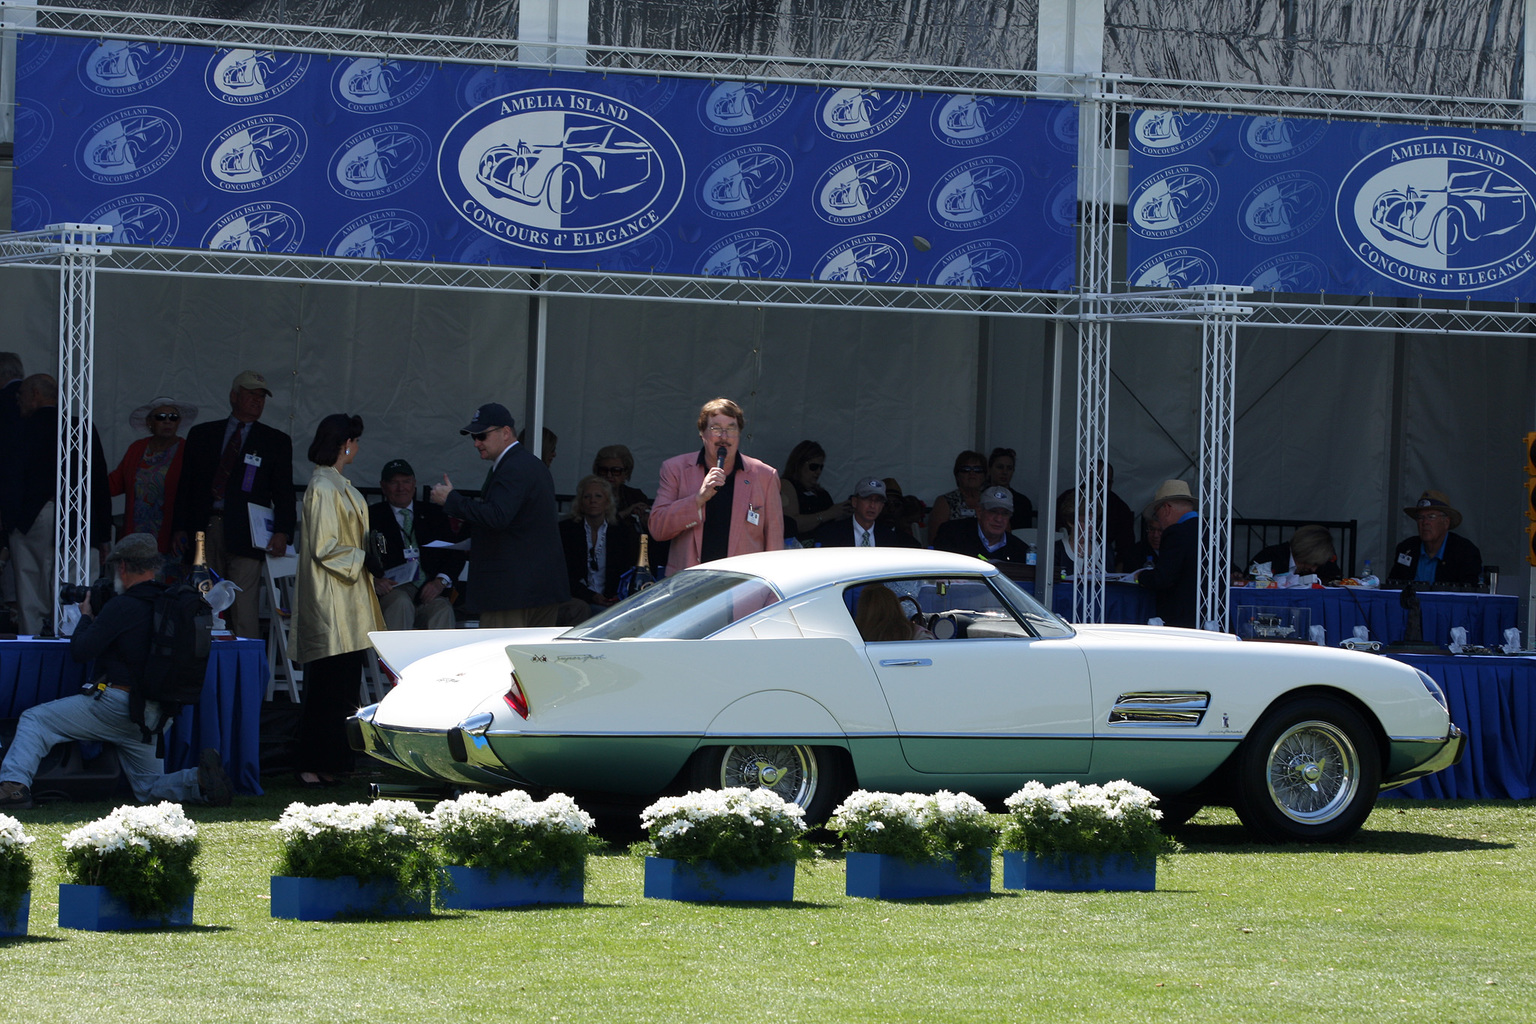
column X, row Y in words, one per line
column 1494, row 701
column 228, row 718
column 1340, row 609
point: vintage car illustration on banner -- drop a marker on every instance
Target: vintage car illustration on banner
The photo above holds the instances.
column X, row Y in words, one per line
column 590, row 161
column 751, row 671
column 1473, row 205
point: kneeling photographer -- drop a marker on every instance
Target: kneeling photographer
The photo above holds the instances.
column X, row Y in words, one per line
column 118, row 640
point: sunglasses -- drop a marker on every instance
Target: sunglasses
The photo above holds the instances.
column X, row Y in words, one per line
column 816, row 467
column 610, row 470
column 480, row 436
column 167, row 417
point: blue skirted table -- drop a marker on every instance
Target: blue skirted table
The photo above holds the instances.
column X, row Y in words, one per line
column 1340, row 609
column 228, row 718
column 1493, row 699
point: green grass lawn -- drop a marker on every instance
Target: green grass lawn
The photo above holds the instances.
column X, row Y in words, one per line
column 1426, row 916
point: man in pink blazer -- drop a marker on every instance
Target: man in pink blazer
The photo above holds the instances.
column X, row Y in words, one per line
column 717, row 502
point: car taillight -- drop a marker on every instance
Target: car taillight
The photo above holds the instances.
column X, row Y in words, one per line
column 390, row 676
column 516, row 699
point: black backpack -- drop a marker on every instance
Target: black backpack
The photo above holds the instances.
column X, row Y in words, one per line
column 180, row 640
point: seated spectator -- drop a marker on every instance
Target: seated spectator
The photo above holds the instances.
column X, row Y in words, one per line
column 1000, row 467
column 1120, row 522
column 150, row 470
column 599, row 546
column 807, row 505
column 1436, row 555
column 615, row 464
column 962, row 502
column 880, row 617
column 864, row 529
column 906, row 512
column 986, row 534
column 1310, row 551
column 415, row 590
column 1069, row 549
column 1175, row 574
column 548, row 451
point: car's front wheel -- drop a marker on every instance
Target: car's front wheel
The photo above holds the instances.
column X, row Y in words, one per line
column 1308, row 773
column 809, row 777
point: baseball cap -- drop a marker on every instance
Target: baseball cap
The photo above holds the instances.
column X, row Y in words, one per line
column 396, row 467
column 870, row 486
column 491, row 414
column 251, row 381
column 997, row 497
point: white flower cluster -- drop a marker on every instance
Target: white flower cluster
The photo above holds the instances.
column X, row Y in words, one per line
column 12, row 836
column 133, row 825
column 760, row 807
column 1112, row 801
column 385, row 817
column 556, row 813
column 917, row 810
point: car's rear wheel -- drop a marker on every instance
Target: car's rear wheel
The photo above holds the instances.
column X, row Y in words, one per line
column 1308, row 773
column 809, row 777
column 561, row 190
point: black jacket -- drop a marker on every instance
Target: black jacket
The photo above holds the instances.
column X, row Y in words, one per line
column 515, row 560
column 269, row 484
column 623, row 552
column 963, row 537
column 840, row 535
column 1174, row 575
column 117, row 637
column 428, row 523
column 1462, row 562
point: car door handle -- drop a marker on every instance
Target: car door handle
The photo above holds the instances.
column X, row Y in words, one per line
column 889, row 662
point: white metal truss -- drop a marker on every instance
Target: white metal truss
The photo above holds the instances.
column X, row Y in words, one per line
column 1217, row 384
column 1096, row 132
column 73, row 250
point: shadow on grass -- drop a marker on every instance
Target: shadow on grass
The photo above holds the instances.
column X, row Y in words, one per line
column 1237, row 839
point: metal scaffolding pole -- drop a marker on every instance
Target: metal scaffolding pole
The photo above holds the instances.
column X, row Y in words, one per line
column 1217, row 380
column 1097, row 134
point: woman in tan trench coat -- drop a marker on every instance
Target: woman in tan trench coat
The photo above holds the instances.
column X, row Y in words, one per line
column 335, row 606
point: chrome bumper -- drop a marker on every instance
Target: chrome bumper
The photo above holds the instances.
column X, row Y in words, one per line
column 1447, row 756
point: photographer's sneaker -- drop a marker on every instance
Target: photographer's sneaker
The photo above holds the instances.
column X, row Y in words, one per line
column 15, row 797
column 212, row 781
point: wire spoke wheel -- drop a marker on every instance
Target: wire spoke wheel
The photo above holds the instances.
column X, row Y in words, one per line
column 791, row 772
column 1314, row 772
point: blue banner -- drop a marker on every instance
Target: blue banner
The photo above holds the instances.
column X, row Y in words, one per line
column 1349, row 208
column 412, row 160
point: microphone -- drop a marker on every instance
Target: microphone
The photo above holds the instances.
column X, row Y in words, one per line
column 720, row 457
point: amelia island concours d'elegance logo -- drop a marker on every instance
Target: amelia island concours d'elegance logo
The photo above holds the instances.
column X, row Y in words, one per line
column 368, row 85
column 128, row 144
column 117, row 67
column 561, row 170
column 380, row 161
column 254, row 153
column 1169, row 132
column 966, row 120
column 246, row 77
column 1173, row 201
column 849, row 115
column 745, row 181
column 1443, row 214
column 736, row 108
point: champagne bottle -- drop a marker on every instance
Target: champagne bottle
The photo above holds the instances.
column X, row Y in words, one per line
column 202, row 576
column 639, row 578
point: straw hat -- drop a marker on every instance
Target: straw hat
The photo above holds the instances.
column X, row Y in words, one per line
column 140, row 416
column 1435, row 500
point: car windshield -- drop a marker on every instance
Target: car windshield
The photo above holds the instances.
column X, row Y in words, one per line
column 688, row 606
column 975, row 607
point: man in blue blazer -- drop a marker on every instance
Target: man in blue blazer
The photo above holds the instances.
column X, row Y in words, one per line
column 516, row 564
column 229, row 465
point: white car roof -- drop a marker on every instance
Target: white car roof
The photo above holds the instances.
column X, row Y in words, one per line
column 797, row 570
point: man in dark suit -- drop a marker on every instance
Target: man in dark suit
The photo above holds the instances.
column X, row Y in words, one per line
column 862, row 530
column 229, row 465
column 1175, row 575
column 413, row 592
column 1435, row 554
column 516, row 565
column 986, row 534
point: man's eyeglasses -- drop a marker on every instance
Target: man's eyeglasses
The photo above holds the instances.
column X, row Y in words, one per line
column 167, row 417
column 722, row 431
column 1431, row 516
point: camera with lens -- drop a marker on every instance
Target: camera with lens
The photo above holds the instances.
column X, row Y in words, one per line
column 100, row 591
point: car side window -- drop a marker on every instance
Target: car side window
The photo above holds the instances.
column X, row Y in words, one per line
column 931, row 608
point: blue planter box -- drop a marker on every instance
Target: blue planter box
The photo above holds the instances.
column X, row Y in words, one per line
column 1114, row 873
column 323, row 899
column 478, row 889
column 667, row 879
column 14, row 926
column 92, row 908
column 879, row 876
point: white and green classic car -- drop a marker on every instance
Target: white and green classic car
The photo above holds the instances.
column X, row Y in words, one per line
column 753, row 671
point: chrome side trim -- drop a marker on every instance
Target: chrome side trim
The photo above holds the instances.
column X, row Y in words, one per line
column 1160, row 708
